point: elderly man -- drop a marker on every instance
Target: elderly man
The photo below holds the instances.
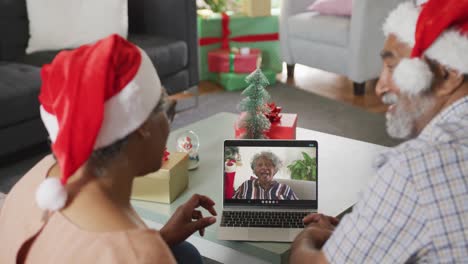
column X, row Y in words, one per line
column 415, row 209
column 265, row 165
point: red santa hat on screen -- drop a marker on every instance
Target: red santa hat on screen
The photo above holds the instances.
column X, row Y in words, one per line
column 90, row 98
column 437, row 29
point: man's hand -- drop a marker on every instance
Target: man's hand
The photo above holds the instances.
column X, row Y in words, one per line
column 306, row 247
column 318, row 229
column 186, row 220
column 324, row 221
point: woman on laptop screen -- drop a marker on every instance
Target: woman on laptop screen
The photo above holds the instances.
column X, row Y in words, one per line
column 264, row 166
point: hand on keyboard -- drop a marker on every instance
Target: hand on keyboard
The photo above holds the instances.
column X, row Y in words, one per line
column 321, row 220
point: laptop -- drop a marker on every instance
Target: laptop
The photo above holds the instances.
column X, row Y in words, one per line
column 269, row 186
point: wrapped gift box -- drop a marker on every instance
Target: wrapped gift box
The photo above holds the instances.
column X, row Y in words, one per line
column 236, row 81
column 284, row 129
column 244, row 60
column 240, row 31
column 165, row 185
column 256, row 8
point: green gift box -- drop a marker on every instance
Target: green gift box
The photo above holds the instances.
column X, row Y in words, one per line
column 222, row 31
column 236, row 81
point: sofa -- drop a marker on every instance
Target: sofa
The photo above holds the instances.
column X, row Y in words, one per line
column 347, row 46
column 165, row 29
column 305, row 190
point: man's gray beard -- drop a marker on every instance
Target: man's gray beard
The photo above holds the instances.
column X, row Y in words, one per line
column 401, row 123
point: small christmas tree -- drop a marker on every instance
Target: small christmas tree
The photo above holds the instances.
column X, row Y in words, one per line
column 255, row 122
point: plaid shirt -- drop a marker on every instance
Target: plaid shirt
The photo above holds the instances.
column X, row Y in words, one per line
column 416, row 208
column 251, row 189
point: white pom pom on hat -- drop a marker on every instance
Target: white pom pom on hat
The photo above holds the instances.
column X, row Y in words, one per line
column 413, row 76
column 51, row 195
column 432, row 33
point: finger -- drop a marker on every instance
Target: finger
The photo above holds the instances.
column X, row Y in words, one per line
column 196, row 214
column 197, row 200
column 333, row 220
column 208, row 204
column 204, row 201
column 203, row 222
column 325, row 222
column 311, row 218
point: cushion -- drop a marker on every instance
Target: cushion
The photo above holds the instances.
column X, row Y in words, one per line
column 61, row 24
column 332, row 7
column 176, row 83
column 19, row 89
column 329, row 30
column 169, row 56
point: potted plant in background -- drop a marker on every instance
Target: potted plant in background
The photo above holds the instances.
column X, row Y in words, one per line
column 305, row 169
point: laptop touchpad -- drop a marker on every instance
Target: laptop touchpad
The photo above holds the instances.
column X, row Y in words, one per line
column 266, row 234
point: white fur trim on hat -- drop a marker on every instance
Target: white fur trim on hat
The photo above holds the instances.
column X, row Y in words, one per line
column 402, row 22
column 51, row 195
column 450, row 50
column 230, row 168
column 412, row 76
column 50, row 122
column 124, row 112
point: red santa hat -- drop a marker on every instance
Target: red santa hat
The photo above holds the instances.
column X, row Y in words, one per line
column 90, row 98
column 437, row 29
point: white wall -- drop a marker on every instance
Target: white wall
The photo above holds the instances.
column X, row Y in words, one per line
column 286, row 155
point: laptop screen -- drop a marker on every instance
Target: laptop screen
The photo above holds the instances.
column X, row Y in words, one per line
column 271, row 173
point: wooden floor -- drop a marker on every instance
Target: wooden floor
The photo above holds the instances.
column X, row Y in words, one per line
column 315, row 81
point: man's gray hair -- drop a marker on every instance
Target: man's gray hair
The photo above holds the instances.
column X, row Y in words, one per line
column 266, row 155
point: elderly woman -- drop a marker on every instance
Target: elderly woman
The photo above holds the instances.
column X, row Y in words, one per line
column 265, row 165
column 102, row 106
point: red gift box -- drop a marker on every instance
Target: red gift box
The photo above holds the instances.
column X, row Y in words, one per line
column 223, row 60
column 284, row 129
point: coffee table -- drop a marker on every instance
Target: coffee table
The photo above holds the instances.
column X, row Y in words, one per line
column 345, row 167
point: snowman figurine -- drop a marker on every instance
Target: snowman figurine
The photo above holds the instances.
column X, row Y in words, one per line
column 188, row 142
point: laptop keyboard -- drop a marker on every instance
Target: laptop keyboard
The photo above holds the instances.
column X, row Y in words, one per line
column 263, row 219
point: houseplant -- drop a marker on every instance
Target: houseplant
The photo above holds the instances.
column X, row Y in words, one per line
column 305, row 169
